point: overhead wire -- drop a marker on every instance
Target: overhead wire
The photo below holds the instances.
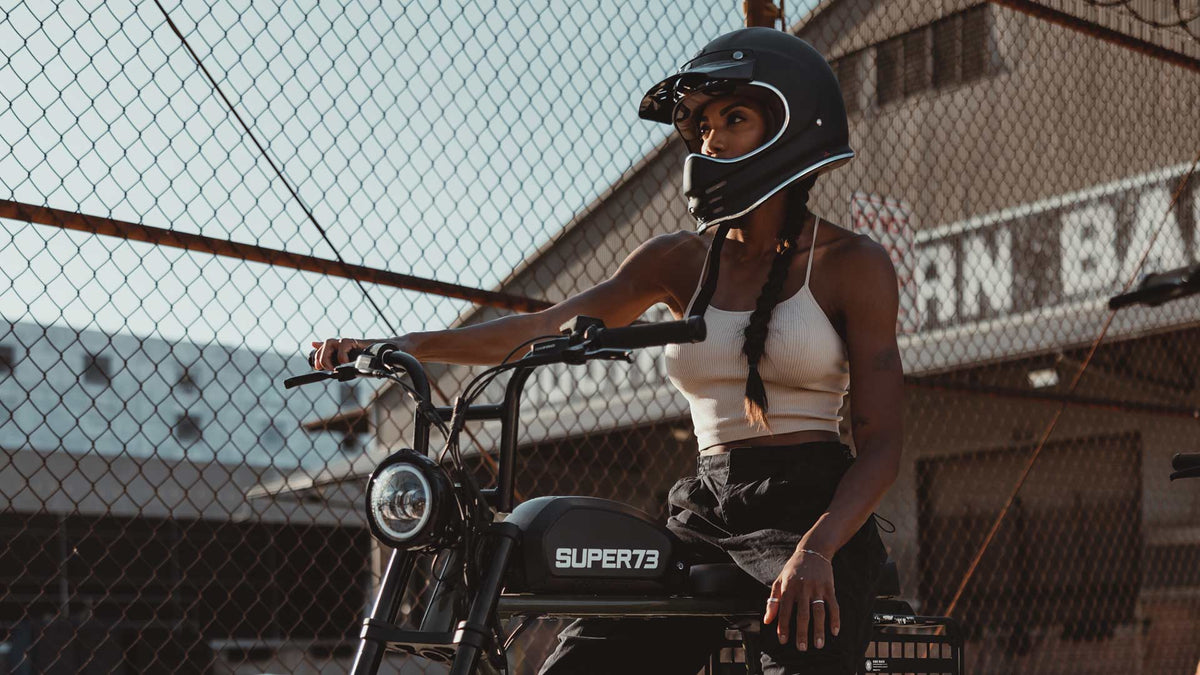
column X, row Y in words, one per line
column 486, row 459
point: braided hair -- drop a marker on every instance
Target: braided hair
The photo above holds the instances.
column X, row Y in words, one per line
column 760, row 318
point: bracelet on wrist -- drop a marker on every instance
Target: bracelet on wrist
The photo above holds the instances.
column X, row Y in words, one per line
column 822, row 556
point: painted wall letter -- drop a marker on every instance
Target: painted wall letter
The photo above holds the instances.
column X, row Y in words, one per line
column 1089, row 238
column 987, row 271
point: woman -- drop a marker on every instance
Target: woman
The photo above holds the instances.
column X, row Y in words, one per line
column 802, row 310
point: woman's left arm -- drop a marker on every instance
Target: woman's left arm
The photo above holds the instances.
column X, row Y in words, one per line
column 870, row 301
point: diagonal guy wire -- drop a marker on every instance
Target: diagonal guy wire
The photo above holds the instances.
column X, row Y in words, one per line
column 263, row 151
column 488, row 461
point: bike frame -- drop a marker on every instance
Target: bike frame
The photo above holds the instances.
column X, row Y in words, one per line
column 436, row 638
column 464, row 643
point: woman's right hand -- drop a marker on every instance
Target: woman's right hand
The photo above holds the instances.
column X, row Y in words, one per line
column 335, row 351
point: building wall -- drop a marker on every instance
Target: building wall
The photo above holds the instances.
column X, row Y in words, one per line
column 1059, row 111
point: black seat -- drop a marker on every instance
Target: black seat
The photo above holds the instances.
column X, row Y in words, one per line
column 723, row 579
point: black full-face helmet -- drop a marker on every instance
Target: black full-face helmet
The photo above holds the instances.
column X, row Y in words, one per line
column 801, row 97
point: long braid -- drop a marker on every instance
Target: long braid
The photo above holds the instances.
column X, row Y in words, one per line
column 760, row 319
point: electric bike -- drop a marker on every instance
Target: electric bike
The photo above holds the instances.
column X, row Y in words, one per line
column 553, row 556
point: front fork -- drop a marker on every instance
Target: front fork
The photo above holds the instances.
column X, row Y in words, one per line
column 472, row 637
column 476, row 634
column 387, row 604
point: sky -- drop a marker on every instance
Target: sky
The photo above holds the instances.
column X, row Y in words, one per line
column 446, row 140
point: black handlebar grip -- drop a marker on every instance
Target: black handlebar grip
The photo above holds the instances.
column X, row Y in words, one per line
column 1185, row 461
column 650, row 335
column 300, row 380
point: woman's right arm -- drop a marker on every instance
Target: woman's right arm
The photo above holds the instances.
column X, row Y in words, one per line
column 637, row 284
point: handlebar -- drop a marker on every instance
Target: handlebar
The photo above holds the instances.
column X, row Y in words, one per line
column 392, row 357
column 648, row 335
column 583, row 339
column 588, row 340
column 1155, row 289
column 1186, row 465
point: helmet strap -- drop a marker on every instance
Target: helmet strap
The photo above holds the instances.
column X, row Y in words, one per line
column 712, row 265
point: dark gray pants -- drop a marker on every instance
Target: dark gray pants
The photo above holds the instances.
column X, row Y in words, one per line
column 750, row 506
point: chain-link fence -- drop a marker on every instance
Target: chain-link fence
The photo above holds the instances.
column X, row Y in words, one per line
column 181, row 180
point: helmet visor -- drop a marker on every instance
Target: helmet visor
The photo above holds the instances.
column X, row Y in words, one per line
column 659, row 102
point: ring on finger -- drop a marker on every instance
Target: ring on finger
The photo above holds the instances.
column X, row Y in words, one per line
column 772, row 601
column 817, row 602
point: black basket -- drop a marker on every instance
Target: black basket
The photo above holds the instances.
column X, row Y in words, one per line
column 904, row 643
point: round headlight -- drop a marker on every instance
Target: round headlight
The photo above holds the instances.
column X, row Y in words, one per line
column 409, row 504
column 400, row 501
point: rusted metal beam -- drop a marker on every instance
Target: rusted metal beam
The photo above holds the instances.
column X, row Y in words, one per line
column 1138, row 45
column 80, row 222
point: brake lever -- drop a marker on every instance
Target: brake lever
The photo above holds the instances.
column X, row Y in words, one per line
column 342, row 373
column 609, row 354
column 307, row 378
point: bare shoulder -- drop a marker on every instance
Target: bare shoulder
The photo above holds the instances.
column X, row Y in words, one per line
column 674, row 244
column 670, row 263
column 858, row 254
column 668, row 252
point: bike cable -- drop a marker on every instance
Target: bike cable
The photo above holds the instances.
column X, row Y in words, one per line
column 529, row 341
column 523, row 622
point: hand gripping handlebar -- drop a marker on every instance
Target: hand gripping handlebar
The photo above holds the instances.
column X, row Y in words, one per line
column 592, row 340
column 648, row 335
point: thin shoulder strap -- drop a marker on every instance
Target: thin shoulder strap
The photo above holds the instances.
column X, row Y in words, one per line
column 813, row 247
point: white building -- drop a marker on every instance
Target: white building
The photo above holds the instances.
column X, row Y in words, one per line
column 127, row 530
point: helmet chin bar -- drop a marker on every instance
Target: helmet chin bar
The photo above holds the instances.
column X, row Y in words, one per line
column 701, row 209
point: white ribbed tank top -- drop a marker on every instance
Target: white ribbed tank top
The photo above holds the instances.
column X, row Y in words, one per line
column 804, row 369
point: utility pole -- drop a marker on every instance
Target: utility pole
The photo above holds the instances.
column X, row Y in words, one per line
column 763, row 13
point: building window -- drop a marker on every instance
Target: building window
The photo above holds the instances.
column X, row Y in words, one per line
column 902, row 66
column 889, row 57
column 97, row 369
column 954, row 50
column 947, row 51
column 6, row 358
column 977, row 43
column 271, row 438
column 186, row 429
column 350, row 444
column 916, row 61
column 849, row 74
column 961, row 47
